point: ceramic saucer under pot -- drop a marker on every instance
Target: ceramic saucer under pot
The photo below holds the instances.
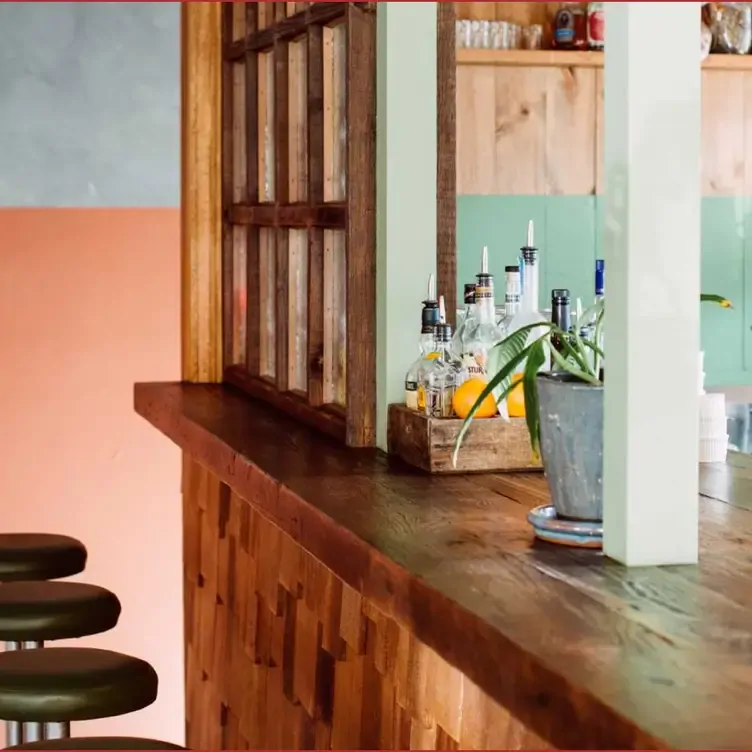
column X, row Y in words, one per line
column 553, row 529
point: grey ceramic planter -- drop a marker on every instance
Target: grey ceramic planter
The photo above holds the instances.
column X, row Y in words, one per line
column 571, row 432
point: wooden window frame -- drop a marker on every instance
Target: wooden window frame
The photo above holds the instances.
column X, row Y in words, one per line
column 243, row 220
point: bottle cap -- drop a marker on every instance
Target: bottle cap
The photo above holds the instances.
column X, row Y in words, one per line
column 444, row 333
column 529, row 251
column 512, row 269
column 559, row 296
column 600, row 265
column 470, row 293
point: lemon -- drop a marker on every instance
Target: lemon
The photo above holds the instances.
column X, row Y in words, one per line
column 516, row 398
column 465, row 397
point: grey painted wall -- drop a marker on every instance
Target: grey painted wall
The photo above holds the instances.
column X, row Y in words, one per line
column 89, row 104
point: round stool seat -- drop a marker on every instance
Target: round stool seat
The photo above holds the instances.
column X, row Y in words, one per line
column 72, row 684
column 40, row 611
column 39, row 556
column 99, row 742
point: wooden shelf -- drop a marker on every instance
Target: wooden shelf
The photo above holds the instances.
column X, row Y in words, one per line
column 569, row 59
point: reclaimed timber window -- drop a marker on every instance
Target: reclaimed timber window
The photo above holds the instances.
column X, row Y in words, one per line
column 299, row 199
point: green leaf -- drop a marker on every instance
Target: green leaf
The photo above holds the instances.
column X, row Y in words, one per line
column 505, row 372
column 719, row 299
column 569, row 367
column 510, row 348
column 535, row 359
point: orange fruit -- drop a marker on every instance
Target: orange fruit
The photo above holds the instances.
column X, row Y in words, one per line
column 465, row 397
column 516, row 398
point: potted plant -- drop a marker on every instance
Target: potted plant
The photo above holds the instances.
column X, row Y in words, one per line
column 563, row 407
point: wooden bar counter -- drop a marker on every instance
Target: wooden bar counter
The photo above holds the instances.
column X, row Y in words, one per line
column 337, row 599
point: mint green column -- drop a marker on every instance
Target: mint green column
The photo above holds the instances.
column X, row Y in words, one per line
column 406, row 189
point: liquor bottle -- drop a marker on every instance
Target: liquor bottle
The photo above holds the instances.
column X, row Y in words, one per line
column 468, row 321
column 486, row 333
column 600, row 280
column 600, row 297
column 442, row 375
column 512, row 297
column 426, row 345
column 529, row 313
column 561, row 316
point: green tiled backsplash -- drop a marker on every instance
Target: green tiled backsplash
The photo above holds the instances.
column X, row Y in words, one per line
column 569, row 235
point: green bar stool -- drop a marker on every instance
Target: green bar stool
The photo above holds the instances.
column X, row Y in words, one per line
column 37, row 556
column 56, row 686
column 100, row 742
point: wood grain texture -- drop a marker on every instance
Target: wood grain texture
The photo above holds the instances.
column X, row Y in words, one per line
column 525, row 129
column 361, row 226
column 284, row 176
column 201, row 191
column 583, row 652
column 446, row 206
column 282, row 654
column 491, row 445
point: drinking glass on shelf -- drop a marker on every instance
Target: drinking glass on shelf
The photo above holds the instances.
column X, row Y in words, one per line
column 464, row 37
column 499, row 35
column 532, row 37
column 515, row 36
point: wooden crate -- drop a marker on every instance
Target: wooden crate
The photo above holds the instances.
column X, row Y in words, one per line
column 491, row 444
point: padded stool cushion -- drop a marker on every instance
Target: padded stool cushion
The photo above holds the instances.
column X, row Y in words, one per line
column 39, row 556
column 99, row 742
column 73, row 684
column 38, row 611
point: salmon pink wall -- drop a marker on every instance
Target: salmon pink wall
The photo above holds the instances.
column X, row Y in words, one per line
column 89, row 304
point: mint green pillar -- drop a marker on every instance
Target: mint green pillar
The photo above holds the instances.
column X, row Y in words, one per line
column 406, row 189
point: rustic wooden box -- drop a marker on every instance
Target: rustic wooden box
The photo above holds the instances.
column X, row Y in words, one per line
column 490, row 445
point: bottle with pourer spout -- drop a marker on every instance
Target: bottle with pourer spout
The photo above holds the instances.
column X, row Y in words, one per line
column 485, row 333
column 430, row 318
column 529, row 312
column 442, row 375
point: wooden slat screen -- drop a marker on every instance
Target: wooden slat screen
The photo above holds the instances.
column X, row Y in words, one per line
column 298, row 172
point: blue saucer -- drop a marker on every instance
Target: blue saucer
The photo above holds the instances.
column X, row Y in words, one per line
column 552, row 529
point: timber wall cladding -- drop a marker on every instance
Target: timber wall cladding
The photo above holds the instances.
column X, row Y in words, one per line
column 281, row 654
column 539, row 131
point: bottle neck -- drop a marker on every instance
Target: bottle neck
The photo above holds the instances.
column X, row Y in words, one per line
column 485, row 305
column 427, row 343
column 531, row 290
column 561, row 315
column 512, row 307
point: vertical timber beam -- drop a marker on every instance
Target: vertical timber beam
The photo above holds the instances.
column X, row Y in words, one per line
column 201, row 191
column 406, row 188
column 652, row 167
column 201, row 244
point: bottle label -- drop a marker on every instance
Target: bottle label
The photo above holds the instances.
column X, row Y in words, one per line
column 411, row 395
column 596, row 27
column 474, row 365
column 483, row 293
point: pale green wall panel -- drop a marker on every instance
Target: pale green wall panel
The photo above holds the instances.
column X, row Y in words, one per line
column 569, row 233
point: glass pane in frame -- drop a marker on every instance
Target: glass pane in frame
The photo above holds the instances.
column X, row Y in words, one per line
column 298, row 311
column 335, row 113
column 335, row 318
column 267, row 303
column 298, row 119
column 266, row 140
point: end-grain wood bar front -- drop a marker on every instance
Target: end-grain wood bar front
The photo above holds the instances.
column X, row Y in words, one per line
column 337, row 599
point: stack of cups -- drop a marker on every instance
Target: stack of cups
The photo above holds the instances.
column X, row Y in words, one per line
column 713, row 428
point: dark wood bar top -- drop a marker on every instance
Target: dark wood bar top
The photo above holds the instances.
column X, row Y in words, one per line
column 585, row 652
